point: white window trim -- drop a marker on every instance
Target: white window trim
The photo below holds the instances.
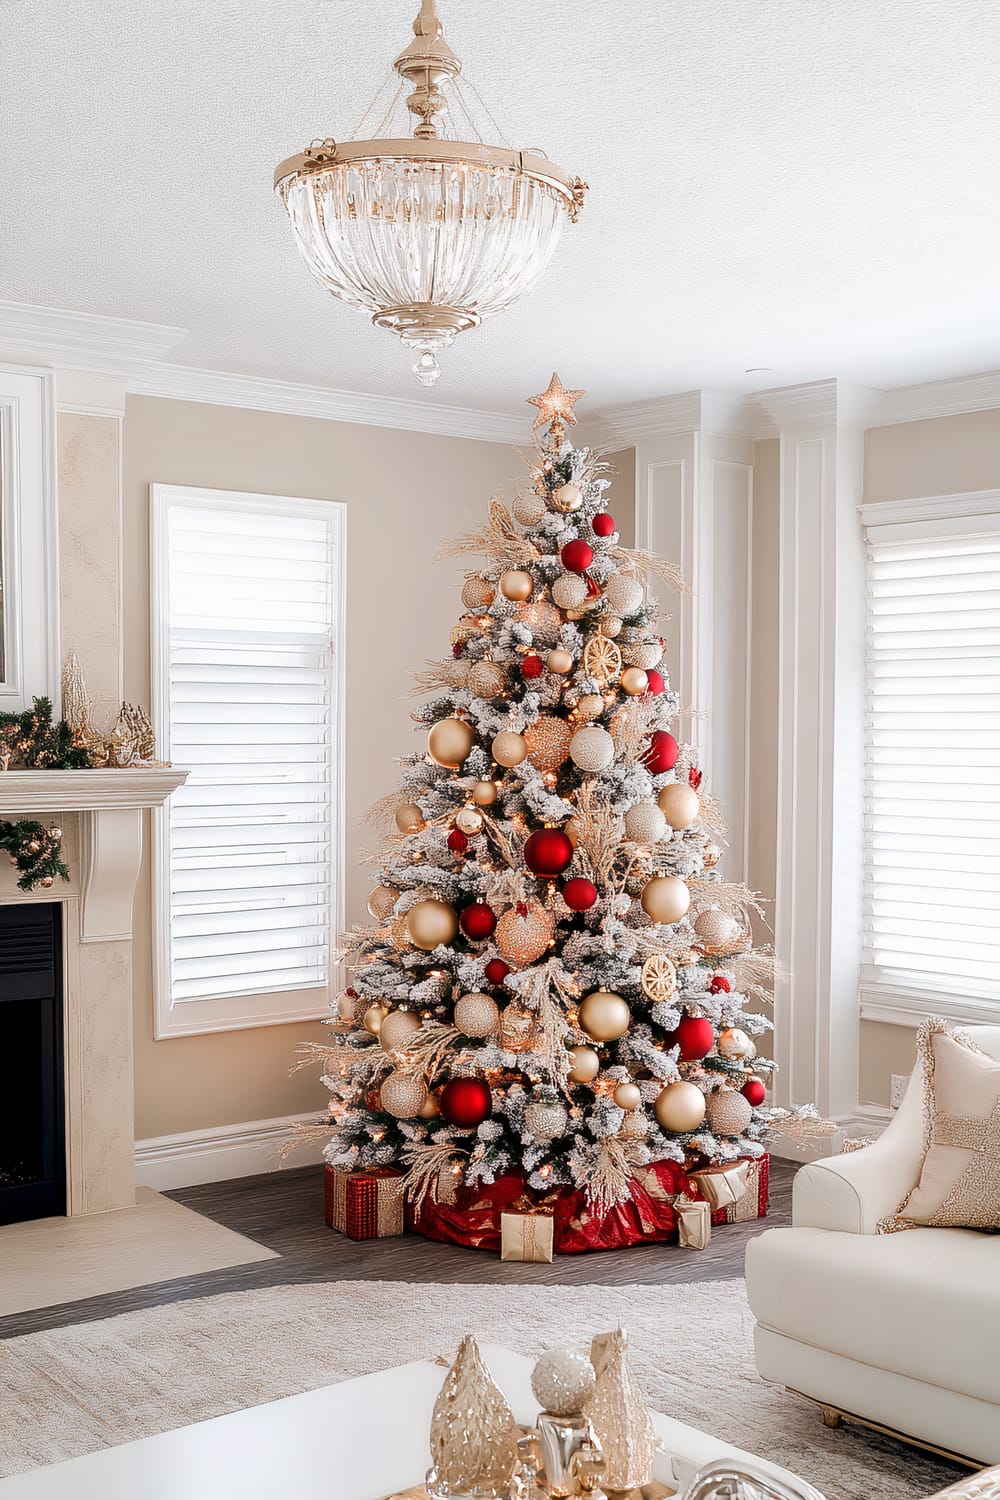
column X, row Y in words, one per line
column 30, row 530
column 971, row 512
column 275, row 1008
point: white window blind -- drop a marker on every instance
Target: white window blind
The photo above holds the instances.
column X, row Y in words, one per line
column 933, row 760
column 247, row 614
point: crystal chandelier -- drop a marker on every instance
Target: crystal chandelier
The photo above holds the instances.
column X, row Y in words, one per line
column 432, row 232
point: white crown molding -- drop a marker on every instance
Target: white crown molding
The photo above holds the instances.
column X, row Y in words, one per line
column 224, row 1152
column 969, row 503
column 820, row 403
column 719, row 412
column 939, row 398
column 185, row 383
column 65, row 340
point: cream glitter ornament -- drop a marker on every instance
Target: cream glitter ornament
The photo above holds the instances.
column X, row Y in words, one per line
column 627, row 1096
column 449, row 742
column 716, row 928
column 563, row 1382
column 679, row 804
column 567, row 498
column 545, row 1120
column 559, row 661
column 516, row 584
column 548, row 741
column 409, row 818
column 643, row 654
column 680, row 1107
column 458, row 672
column 543, row 620
column 397, row 1029
column 431, row 923
column 478, row 593
column 728, row 1112
column 735, row 1045
column 403, row 1095
column 624, row 594
column 477, row 1015
column 381, row 902
column 644, row 823
column 634, row 680
column 469, row 820
column 509, row 749
column 666, row 899
column 524, row 932
column 529, row 509
column 592, row 748
column 485, row 793
column 590, row 706
column 487, row 679
column 610, row 625
column 585, row 1064
column 569, row 590
column 604, row 1016
column 473, row 1433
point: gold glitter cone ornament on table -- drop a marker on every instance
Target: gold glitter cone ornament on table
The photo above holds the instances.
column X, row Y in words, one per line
column 473, row 1433
column 620, row 1418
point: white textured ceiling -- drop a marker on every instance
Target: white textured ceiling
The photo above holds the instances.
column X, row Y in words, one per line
column 809, row 185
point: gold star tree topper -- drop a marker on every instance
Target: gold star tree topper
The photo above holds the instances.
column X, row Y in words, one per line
column 555, row 410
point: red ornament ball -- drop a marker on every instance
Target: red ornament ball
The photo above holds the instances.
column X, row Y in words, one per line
column 497, row 971
column 548, row 852
column 603, row 524
column 457, row 650
column 754, row 1092
column 531, row 666
column 477, row 921
column 719, row 984
column 577, row 556
column 457, row 841
column 654, row 682
column 579, row 894
column 466, row 1102
column 696, row 1037
column 694, row 778
column 662, row 753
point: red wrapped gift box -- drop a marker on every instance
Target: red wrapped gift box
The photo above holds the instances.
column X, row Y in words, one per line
column 364, row 1205
column 473, row 1219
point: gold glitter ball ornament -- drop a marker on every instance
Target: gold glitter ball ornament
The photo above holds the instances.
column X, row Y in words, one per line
column 602, row 659
column 469, row 820
column 624, row 594
column 487, row 679
column 398, row 1028
column 485, row 793
column 473, row 1438
column 548, row 742
column 516, row 585
column 592, row 748
column 567, row 498
column 643, row 654
column 477, row 1015
column 409, row 818
column 559, row 661
column 734, row 1044
column 403, row 1095
column 478, row 593
column 529, row 509
column 716, row 929
column 666, row 899
column 546, row 1121
column 464, row 631
column 679, row 804
column 543, row 620
column 569, row 590
column 634, row 679
column 509, row 749
column 458, row 672
column 585, row 1064
column 449, row 742
column 680, row 1107
column 610, row 625
column 659, row 977
column 728, row 1112
column 604, row 1016
column 524, row 932
column 431, row 923
column 563, row 1382
column 627, row 1096
column 590, row 706
column 644, row 823
column 373, row 1018
column 381, row 902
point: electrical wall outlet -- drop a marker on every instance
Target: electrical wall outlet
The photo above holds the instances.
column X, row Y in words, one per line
column 897, row 1088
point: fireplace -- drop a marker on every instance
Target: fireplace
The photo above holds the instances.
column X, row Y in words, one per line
column 32, row 1105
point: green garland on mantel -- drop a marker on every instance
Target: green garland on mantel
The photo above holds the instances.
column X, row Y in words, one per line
column 31, row 740
column 36, row 851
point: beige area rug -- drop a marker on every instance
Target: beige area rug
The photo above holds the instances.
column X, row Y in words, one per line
column 92, row 1385
column 158, row 1240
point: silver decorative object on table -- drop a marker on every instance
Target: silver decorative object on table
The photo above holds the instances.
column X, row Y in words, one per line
column 727, row 1479
column 561, row 1456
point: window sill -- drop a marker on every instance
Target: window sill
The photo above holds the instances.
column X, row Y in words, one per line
column 896, row 1005
column 241, row 1013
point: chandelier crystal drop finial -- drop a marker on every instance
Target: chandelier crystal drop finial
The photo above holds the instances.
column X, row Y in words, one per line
column 433, row 231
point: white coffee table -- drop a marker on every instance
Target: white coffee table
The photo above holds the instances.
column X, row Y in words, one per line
column 358, row 1440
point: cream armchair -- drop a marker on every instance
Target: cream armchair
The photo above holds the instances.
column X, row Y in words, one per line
column 899, row 1331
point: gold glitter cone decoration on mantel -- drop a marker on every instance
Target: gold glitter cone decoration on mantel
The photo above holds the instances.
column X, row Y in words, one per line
column 620, row 1418
column 473, row 1432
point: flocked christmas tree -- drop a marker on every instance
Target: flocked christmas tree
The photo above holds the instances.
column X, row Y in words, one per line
column 559, row 981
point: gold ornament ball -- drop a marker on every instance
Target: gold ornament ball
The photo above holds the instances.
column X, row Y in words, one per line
column 605, row 1016
column 567, row 498
column 409, row 818
column 509, row 749
column 485, row 793
column 373, row 1018
column 679, row 804
column 516, row 585
column 569, row 590
column 634, row 681
column 559, row 661
column 458, row 672
column 545, row 1120
column 735, row 1045
column 590, row 706
column 716, row 928
column 644, row 823
column 397, row 1029
column 624, row 594
column 610, row 626
column 680, row 1107
column 431, row 923
column 46, row 882
column 477, row 1015
column 627, row 1096
column 529, row 509
column 592, row 748
column 477, row 593
column 524, row 932
column 403, row 1096
column 548, row 742
column 469, row 820
column 449, row 742
column 381, row 902
column 666, row 899
column 584, row 1064
column 487, row 679
column 728, row 1112
column 430, row 1109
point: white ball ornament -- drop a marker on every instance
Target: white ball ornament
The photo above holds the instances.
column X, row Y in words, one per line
column 469, row 820
column 728, row 1112
column 680, row 1107
column 610, row 625
column 642, row 655
column 509, row 749
column 666, row 899
column 679, row 804
column 624, row 593
column 569, row 590
column 516, row 585
column 627, row 1096
column 563, row 1382
column 592, row 748
column 397, row 1029
column 567, row 498
column 734, row 1044
column 590, row 706
column 716, row 928
column 644, row 823
column 477, row 1015
column 545, row 1120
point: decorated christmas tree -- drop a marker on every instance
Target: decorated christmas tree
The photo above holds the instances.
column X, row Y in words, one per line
column 559, row 985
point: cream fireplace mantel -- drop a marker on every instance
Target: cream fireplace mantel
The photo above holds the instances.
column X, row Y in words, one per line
column 97, row 963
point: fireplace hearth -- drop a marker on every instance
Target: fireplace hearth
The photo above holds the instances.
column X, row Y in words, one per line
column 32, row 1104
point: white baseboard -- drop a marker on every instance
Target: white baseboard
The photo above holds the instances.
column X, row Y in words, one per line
column 221, row 1153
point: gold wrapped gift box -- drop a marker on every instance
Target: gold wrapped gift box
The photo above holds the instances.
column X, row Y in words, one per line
column 527, row 1237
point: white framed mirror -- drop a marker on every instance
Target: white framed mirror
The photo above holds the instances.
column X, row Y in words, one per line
column 29, row 538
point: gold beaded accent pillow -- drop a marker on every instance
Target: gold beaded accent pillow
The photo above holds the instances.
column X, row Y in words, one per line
column 959, row 1183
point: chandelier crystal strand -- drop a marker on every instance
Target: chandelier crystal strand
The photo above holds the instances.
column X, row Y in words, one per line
column 427, row 234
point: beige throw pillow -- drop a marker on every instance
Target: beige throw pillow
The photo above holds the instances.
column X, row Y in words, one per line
column 959, row 1183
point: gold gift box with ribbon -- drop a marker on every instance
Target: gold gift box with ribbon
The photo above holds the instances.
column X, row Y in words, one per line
column 526, row 1237
column 724, row 1184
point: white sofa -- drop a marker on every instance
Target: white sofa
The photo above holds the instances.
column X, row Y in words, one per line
column 899, row 1330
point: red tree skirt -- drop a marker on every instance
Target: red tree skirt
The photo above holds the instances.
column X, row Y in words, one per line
column 473, row 1219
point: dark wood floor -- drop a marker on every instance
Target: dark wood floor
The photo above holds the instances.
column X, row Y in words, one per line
column 284, row 1211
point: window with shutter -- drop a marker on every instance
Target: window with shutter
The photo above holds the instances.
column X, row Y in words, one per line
column 933, row 759
column 247, row 652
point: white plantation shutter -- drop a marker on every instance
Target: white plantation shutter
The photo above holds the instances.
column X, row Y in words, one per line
column 247, row 613
column 933, row 758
